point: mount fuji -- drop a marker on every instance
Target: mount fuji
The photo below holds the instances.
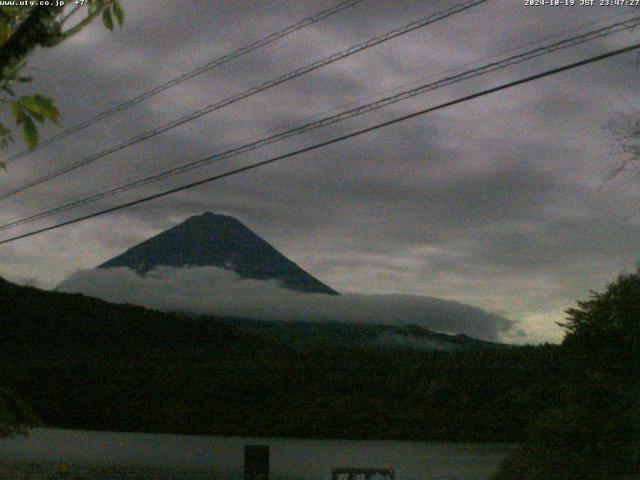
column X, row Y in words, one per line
column 218, row 241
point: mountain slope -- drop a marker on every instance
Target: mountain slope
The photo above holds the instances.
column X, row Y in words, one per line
column 218, row 241
column 331, row 336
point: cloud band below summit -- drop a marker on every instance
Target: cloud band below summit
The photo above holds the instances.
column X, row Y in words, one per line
column 220, row 292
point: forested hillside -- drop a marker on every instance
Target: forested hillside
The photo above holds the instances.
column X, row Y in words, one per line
column 84, row 363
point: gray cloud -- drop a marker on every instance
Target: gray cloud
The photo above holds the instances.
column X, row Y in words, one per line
column 494, row 202
column 215, row 291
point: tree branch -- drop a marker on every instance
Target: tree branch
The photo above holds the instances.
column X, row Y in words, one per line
column 35, row 30
column 70, row 14
column 78, row 27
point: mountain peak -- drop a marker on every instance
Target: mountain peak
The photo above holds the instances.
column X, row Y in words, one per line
column 221, row 241
column 208, row 216
column 210, row 220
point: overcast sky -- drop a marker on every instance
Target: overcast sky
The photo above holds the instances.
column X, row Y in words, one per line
column 500, row 202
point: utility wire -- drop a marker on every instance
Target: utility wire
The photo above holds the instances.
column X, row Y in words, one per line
column 482, row 70
column 252, row 91
column 193, row 73
column 378, row 126
column 470, row 64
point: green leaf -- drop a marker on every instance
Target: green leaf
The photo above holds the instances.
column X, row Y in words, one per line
column 33, row 108
column 46, row 102
column 49, row 109
column 94, row 7
column 107, row 19
column 54, row 116
column 38, row 116
column 118, row 11
column 18, row 114
column 30, row 133
column 40, row 107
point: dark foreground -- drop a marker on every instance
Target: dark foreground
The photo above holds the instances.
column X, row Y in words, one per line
column 86, row 364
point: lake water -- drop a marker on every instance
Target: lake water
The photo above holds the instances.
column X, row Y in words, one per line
column 312, row 459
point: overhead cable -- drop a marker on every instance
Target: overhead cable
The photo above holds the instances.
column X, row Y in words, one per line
column 248, row 93
column 332, row 141
column 329, row 120
column 193, row 73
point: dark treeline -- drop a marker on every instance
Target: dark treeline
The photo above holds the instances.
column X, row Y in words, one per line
column 84, row 363
column 594, row 433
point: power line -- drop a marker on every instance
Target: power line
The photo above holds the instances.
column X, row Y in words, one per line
column 474, row 62
column 193, row 73
column 252, row 91
column 589, row 36
column 378, row 126
column 329, row 120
